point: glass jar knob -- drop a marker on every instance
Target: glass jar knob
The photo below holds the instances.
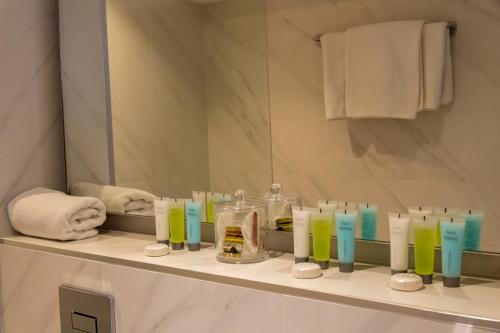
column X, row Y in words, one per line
column 276, row 189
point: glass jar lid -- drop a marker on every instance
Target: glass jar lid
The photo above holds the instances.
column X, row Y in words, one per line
column 241, row 203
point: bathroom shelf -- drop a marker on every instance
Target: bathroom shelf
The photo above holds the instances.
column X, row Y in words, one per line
column 475, row 303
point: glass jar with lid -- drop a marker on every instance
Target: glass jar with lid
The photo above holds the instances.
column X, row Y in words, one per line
column 279, row 206
column 239, row 230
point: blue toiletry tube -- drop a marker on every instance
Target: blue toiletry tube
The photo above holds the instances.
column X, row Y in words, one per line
column 452, row 240
column 193, row 213
column 368, row 217
column 472, row 234
column 346, row 231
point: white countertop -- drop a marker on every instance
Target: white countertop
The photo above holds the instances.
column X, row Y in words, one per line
column 476, row 302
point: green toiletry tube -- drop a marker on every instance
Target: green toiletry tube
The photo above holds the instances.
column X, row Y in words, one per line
column 321, row 225
column 176, row 219
column 368, row 217
column 472, row 233
column 424, row 233
column 452, row 240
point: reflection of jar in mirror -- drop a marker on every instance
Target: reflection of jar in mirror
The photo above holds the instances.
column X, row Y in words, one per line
column 239, row 229
column 280, row 208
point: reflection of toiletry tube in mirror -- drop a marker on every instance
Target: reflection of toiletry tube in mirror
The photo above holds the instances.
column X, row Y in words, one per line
column 161, row 220
column 346, row 231
column 452, row 239
column 424, row 233
column 368, row 217
column 301, row 228
column 472, row 233
column 399, row 233
column 176, row 219
column 211, row 207
column 321, row 226
column 442, row 213
column 329, row 206
column 201, row 197
column 418, row 212
column 193, row 214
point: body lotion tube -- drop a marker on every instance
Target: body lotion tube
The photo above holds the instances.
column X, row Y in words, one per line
column 321, row 226
column 161, row 220
column 176, row 219
column 193, row 214
column 399, row 233
column 301, row 228
column 424, row 233
column 452, row 240
column 346, row 231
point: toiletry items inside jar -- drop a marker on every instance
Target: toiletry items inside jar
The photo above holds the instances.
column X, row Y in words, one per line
column 239, row 230
column 279, row 207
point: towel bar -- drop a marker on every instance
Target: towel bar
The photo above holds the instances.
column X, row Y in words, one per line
column 452, row 26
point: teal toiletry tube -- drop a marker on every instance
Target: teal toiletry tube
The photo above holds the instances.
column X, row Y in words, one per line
column 346, row 231
column 452, row 240
column 301, row 237
column 193, row 213
column 200, row 196
column 161, row 220
column 472, row 234
column 368, row 216
column 399, row 232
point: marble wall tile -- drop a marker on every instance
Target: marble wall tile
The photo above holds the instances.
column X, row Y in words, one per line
column 31, row 126
column 158, row 95
column 443, row 158
column 158, row 304
column 328, row 317
column 237, row 96
column 84, row 87
column 29, row 282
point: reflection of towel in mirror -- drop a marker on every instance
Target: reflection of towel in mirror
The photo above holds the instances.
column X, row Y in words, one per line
column 118, row 199
column 52, row 214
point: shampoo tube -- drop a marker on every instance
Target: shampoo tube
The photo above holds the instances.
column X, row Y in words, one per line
column 416, row 213
column 399, row 232
column 211, row 201
column 452, row 239
column 161, row 220
column 424, row 233
column 368, row 216
column 301, row 228
column 329, row 206
column 193, row 213
column 321, row 226
column 346, row 231
column 176, row 219
column 201, row 197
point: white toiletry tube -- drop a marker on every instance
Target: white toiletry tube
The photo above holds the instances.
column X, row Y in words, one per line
column 399, row 232
column 301, row 238
column 161, row 220
column 200, row 196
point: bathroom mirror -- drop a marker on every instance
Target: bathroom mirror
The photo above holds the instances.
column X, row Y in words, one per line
column 201, row 92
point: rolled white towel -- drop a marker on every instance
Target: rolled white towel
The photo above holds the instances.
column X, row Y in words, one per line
column 118, row 199
column 52, row 214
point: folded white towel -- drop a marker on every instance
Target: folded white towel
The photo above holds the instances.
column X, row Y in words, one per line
column 333, row 49
column 438, row 82
column 383, row 70
column 118, row 199
column 52, row 214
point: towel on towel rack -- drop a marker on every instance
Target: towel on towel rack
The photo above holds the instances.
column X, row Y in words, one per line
column 333, row 48
column 118, row 199
column 46, row 213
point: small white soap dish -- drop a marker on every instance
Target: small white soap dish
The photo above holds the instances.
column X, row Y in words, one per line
column 406, row 282
column 306, row 270
column 156, row 250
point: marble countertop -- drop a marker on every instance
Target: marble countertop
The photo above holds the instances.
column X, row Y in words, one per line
column 477, row 302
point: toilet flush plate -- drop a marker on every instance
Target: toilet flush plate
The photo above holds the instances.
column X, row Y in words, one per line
column 85, row 311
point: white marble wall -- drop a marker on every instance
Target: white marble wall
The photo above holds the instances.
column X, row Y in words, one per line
column 445, row 158
column 155, row 302
column 238, row 96
column 31, row 127
column 156, row 57
column 87, row 127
